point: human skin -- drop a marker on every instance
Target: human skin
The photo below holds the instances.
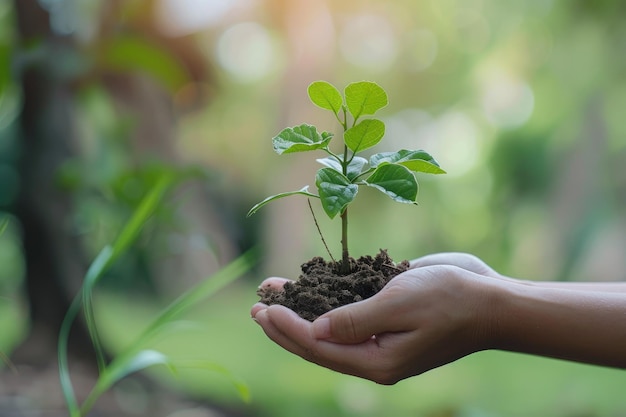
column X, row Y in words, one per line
column 448, row 306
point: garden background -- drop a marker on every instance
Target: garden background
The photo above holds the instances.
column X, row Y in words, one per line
column 522, row 103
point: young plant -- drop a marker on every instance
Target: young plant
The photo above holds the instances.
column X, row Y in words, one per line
column 338, row 181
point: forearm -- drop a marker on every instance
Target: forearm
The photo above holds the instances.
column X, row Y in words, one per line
column 583, row 326
column 613, row 287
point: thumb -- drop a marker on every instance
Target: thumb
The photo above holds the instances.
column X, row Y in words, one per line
column 353, row 323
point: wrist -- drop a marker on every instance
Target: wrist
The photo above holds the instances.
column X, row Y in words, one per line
column 498, row 312
column 522, row 316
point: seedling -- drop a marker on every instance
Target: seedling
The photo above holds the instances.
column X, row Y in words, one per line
column 338, row 181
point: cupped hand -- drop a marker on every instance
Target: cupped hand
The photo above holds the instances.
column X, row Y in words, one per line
column 462, row 260
column 423, row 318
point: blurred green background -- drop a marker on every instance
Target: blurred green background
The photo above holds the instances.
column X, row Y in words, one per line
column 522, row 103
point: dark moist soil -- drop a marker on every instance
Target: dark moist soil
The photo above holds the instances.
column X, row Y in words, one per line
column 321, row 288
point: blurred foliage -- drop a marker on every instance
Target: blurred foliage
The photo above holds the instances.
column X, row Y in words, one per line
column 521, row 102
column 136, row 357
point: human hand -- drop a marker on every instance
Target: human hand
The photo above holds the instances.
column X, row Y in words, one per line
column 462, row 260
column 423, row 318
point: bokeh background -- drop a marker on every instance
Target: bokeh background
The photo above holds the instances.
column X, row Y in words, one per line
column 522, row 103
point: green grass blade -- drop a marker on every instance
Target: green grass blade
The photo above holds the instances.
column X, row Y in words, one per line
column 239, row 384
column 127, row 361
column 122, row 367
column 93, row 330
column 146, row 208
column 201, row 291
column 3, row 225
column 101, row 263
column 95, row 271
column 64, row 373
column 127, row 236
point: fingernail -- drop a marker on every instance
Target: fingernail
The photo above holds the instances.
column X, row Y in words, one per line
column 321, row 328
column 261, row 314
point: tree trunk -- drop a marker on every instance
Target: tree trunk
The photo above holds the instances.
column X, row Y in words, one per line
column 53, row 254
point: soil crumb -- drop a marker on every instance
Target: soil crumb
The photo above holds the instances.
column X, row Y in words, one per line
column 321, row 288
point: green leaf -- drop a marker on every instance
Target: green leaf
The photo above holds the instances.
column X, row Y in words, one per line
column 364, row 135
column 418, row 161
column 365, row 97
column 355, row 167
column 326, row 96
column 336, row 190
column 396, row 181
column 300, row 139
column 419, row 165
column 304, row 191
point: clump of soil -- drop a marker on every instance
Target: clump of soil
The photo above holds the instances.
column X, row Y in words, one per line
column 321, row 288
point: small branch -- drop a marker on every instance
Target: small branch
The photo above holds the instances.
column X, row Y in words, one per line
column 320, row 230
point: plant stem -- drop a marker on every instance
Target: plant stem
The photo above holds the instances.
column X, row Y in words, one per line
column 345, row 255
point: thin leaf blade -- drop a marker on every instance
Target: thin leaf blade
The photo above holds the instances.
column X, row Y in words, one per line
column 129, row 365
column 149, row 204
column 65, row 380
column 325, row 95
column 95, row 271
column 335, row 189
column 242, row 388
column 364, row 135
column 121, row 367
column 203, row 290
column 304, row 191
column 4, row 223
column 103, row 261
column 396, row 181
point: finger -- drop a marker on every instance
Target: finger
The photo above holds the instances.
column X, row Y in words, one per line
column 256, row 308
column 275, row 283
column 444, row 258
column 286, row 328
column 295, row 334
column 358, row 322
column 375, row 359
column 462, row 260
